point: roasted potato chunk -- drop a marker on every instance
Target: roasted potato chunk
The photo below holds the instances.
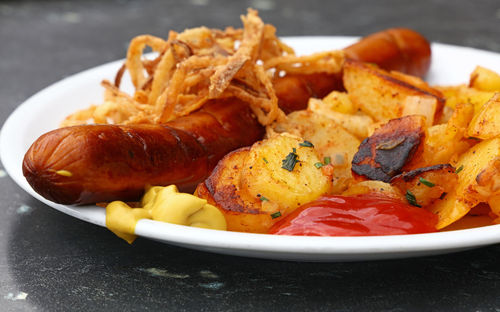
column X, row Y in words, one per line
column 444, row 143
column 358, row 124
column 222, row 189
column 425, row 185
column 478, row 172
column 331, row 141
column 339, row 102
column 385, row 96
column 254, row 186
column 486, row 122
column 462, row 95
column 282, row 170
column 384, row 154
column 484, row 79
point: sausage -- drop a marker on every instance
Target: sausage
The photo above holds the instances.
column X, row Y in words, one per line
column 397, row 49
column 294, row 91
column 97, row 163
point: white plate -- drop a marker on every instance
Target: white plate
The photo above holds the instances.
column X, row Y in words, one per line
column 43, row 111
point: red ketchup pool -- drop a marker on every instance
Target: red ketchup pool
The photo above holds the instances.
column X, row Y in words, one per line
column 362, row 215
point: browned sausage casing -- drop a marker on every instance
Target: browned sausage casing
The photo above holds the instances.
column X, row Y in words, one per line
column 397, row 49
column 96, row 163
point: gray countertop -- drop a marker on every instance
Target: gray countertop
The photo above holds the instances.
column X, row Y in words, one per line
column 52, row 262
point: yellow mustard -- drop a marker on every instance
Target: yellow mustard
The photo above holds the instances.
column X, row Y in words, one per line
column 164, row 204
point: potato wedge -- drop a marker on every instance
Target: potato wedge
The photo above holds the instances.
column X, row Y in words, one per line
column 449, row 210
column 478, row 172
column 486, row 122
column 484, row 79
column 445, row 142
column 462, row 94
column 385, row 96
column 425, row 185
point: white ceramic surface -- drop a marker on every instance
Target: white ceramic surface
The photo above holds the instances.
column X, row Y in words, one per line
column 43, row 111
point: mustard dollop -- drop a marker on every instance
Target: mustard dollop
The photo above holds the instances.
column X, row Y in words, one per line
column 164, row 204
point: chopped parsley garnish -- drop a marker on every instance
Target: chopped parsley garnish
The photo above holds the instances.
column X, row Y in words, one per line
column 265, row 160
column 411, row 199
column 262, row 198
column 290, row 160
column 318, row 165
column 426, row 182
column 306, row 144
column 327, row 160
column 459, row 169
column 276, row 215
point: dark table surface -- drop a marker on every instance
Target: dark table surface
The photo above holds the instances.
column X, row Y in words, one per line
column 52, row 262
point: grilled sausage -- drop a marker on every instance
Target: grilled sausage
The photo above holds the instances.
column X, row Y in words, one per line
column 397, row 49
column 95, row 163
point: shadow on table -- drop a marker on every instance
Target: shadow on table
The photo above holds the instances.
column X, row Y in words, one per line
column 64, row 263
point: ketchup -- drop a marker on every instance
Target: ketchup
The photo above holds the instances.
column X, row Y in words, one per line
column 362, row 215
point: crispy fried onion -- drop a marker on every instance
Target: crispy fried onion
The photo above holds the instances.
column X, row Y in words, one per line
column 201, row 64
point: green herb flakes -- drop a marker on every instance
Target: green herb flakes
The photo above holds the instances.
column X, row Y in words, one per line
column 306, row 144
column 290, row 161
column 426, row 182
column 459, row 169
column 276, row 215
column 318, row 165
column 411, row 199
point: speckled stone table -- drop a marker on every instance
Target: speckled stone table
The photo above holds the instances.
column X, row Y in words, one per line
column 52, row 262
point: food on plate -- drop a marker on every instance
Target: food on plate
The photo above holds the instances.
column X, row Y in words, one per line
column 478, row 176
column 343, row 142
column 484, row 79
column 435, row 166
column 390, row 149
column 418, row 183
column 385, row 96
column 397, row 49
column 486, row 122
column 163, row 204
column 206, row 93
